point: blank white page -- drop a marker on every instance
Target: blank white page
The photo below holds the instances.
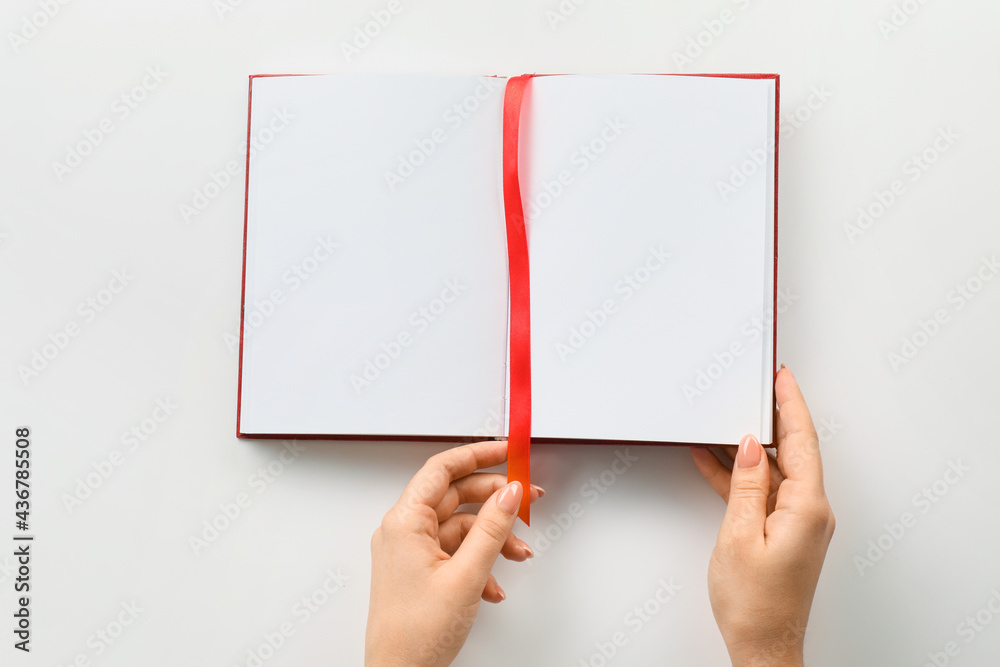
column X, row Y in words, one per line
column 767, row 325
column 422, row 259
column 617, row 172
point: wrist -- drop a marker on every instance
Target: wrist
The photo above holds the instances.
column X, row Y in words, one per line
column 767, row 662
column 772, row 654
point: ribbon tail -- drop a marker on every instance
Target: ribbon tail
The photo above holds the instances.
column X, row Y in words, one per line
column 519, row 425
column 519, row 468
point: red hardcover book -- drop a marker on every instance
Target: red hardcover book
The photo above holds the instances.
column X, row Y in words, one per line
column 385, row 285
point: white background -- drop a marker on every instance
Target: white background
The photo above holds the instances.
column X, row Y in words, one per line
column 889, row 432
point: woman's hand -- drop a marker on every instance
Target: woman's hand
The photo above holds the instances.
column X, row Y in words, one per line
column 431, row 565
column 774, row 536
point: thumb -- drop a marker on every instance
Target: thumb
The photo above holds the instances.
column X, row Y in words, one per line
column 481, row 546
column 746, row 509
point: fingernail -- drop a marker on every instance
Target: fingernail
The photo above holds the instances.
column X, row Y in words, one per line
column 503, row 596
column 527, row 549
column 510, row 498
column 749, row 453
column 538, row 489
column 783, row 366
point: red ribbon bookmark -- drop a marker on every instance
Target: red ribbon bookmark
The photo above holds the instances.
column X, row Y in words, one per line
column 519, row 426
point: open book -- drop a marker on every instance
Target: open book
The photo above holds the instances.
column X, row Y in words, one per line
column 376, row 300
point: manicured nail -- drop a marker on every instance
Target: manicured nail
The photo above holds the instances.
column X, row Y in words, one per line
column 538, row 489
column 510, row 498
column 503, row 596
column 527, row 549
column 749, row 454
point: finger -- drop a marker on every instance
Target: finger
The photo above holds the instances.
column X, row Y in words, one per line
column 454, row 529
column 479, row 550
column 713, row 470
column 492, row 591
column 798, row 444
column 746, row 510
column 430, row 484
column 776, row 477
column 474, row 488
column 726, row 454
column 772, row 501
